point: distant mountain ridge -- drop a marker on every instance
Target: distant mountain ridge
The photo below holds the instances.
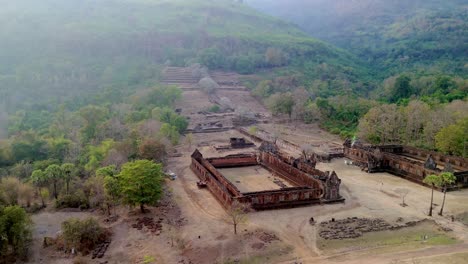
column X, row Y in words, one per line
column 429, row 35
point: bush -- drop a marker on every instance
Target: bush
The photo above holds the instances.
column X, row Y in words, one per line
column 214, row 109
column 15, row 233
column 76, row 200
column 35, row 207
column 83, row 235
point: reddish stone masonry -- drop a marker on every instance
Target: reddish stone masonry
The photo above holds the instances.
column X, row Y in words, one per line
column 311, row 186
column 407, row 162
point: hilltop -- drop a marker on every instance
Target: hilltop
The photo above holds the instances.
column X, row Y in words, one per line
column 394, row 36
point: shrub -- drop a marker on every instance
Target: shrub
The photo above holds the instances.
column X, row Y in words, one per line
column 76, row 200
column 15, row 233
column 83, row 235
column 214, row 109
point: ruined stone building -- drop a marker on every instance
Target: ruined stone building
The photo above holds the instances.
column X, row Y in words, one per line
column 305, row 184
column 407, row 162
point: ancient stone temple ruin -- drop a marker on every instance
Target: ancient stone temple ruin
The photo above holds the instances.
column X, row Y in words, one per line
column 266, row 180
column 408, row 162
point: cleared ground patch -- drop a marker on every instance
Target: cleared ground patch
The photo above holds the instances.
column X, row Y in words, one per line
column 253, row 179
column 423, row 234
column 460, row 258
column 463, row 217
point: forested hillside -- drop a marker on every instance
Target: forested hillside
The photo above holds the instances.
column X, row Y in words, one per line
column 71, row 51
column 86, row 122
column 80, row 80
column 395, row 36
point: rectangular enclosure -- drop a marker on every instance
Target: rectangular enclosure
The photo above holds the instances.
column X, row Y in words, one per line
column 254, row 179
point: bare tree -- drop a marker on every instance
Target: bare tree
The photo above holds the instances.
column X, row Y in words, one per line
column 198, row 71
column 149, row 128
column 301, row 97
column 403, row 192
column 306, row 151
column 208, row 85
column 189, row 140
column 417, row 115
column 115, row 157
column 9, row 189
column 237, row 214
column 226, row 104
column 26, row 193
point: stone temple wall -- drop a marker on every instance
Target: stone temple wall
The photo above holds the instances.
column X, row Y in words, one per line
column 308, row 188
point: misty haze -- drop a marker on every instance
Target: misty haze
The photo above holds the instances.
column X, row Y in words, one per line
column 233, row 131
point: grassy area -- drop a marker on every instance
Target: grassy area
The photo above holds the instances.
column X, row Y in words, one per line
column 410, row 237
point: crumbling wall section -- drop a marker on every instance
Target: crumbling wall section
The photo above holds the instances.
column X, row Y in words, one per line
column 437, row 156
column 218, row 190
column 307, row 168
column 405, row 168
column 356, row 154
column 291, row 174
column 234, row 161
column 393, row 160
column 287, row 197
column 220, row 178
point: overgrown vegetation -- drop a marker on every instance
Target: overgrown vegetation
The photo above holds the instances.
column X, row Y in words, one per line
column 83, row 235
column 15, row 233
column 440, row 126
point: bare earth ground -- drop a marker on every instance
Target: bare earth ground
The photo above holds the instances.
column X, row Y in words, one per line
column 47, row 224
column 252, row 179
column 281, row 236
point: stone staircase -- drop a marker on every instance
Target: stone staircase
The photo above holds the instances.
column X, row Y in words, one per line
column 182, row 77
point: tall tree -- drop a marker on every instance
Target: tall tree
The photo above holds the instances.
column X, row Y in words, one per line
column 15, row 231
column 152, row 149
column 446, row 179
column 433, row 181
column 417, row 115
column 39, row 179
column 111, row 186
column 281, row 103
column 453, row 139
column 54, row 173
column 69, row 171
column 141, row 183
column 402, row 88
column 189, row 140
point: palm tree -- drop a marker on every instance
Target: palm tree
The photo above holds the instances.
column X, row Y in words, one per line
column 54, row 172
column 432, row 180
column 68, row 170
column 446, row 179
